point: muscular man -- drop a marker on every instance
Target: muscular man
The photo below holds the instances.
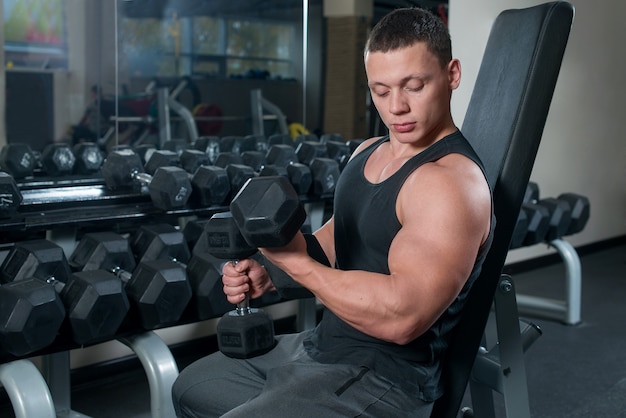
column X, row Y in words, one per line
column 412, row 224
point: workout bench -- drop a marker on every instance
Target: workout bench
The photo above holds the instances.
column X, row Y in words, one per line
column 504, row 122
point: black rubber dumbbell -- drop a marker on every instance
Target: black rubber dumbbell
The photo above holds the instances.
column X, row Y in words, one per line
column 21, row 161
column 18, row 160
column 165, row 241
column 560, row 216
column 210, row 145
column 169, row 188
column 89, row 158
column 210, row 184
column 244, row 332
column 95, row 302
column 158, row 289
column 580, row 211
column 324, row 170
column 10, row 195
column 58, row 159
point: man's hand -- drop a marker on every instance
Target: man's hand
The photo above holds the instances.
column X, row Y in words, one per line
column 247, row 276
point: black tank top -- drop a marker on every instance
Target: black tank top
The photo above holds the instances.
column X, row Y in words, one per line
column 365, row 225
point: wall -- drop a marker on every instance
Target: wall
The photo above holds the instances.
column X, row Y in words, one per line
column 583, row 148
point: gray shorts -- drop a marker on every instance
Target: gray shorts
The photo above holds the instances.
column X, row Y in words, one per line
column 286, row 382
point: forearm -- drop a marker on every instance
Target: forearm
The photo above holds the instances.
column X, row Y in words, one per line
column 378, row 308
column 284, row 284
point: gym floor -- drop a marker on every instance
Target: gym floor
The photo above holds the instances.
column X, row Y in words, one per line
column 572, row 371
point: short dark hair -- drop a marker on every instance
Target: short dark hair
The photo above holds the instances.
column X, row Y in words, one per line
column 404, row 27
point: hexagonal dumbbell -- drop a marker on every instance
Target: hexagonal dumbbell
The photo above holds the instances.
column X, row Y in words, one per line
column 58, row 159
column 18, row 160
column 580, row 211
column 268, row 212
column 164, row 241
column 244, row 332
column 89, row 158
column 10, row 196
column 560, row 216
column 158, row 289
column 210, row 184
column 95, row 302
column 538, row 223
column 169, row 188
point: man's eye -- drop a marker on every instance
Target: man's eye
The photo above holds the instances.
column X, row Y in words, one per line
column 415, row 88
column 381, row 93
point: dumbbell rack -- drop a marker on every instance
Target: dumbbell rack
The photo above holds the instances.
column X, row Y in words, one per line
column 568, row 309
column 60, row 212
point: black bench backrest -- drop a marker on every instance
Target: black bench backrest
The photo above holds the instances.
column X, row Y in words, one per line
column 504, row 122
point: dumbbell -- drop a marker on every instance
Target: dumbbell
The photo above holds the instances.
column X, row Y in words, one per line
column 560, row 216
column 57, row 159
column 209, row 145
column 268, row 214
column 244, row 332
column 210, row 184
column 580, row 211
column 35, row 277
column 10, row 195
column 240, row 144
column 282, row 160
column 166, row 241
column 324, row 171
column 339, row 151
column 169, row 187
column 157, row 288
column 89, row 158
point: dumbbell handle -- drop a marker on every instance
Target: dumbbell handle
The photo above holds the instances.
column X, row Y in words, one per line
column 122, row 274
column 243, row 307
column 57, row 284
column 143, row 178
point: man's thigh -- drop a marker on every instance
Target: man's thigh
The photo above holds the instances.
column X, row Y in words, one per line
column 215, row 384
column 306, row 388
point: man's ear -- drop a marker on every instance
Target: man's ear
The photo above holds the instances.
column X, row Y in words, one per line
column 454, row 73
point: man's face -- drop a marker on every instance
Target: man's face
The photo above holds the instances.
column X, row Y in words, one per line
column 412, row 92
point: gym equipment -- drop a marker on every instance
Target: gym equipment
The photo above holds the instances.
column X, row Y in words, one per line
column 324, row 171
column 10, row 195
column 210, row 184
column 254, row 159
column 57, row 159
column 161, row 158
column 210, row 145
column 244, row 332
column 579, row 214
column 209, row 300
column 157, row 288
column 18, row 160
column 191, row 160
column 568, row 214
column 169, row 188
column 505, row 130
column 95, row 302
column 238, row 174
column 268, row 212
column 89, row 158
column 538, row 223
column 159, row 241
column 560, row 216
column 299, row 175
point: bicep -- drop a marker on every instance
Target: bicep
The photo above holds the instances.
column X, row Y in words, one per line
column 435, row 250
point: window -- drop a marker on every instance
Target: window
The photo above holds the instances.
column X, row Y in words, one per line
column 210, row 46
column 34, row 34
